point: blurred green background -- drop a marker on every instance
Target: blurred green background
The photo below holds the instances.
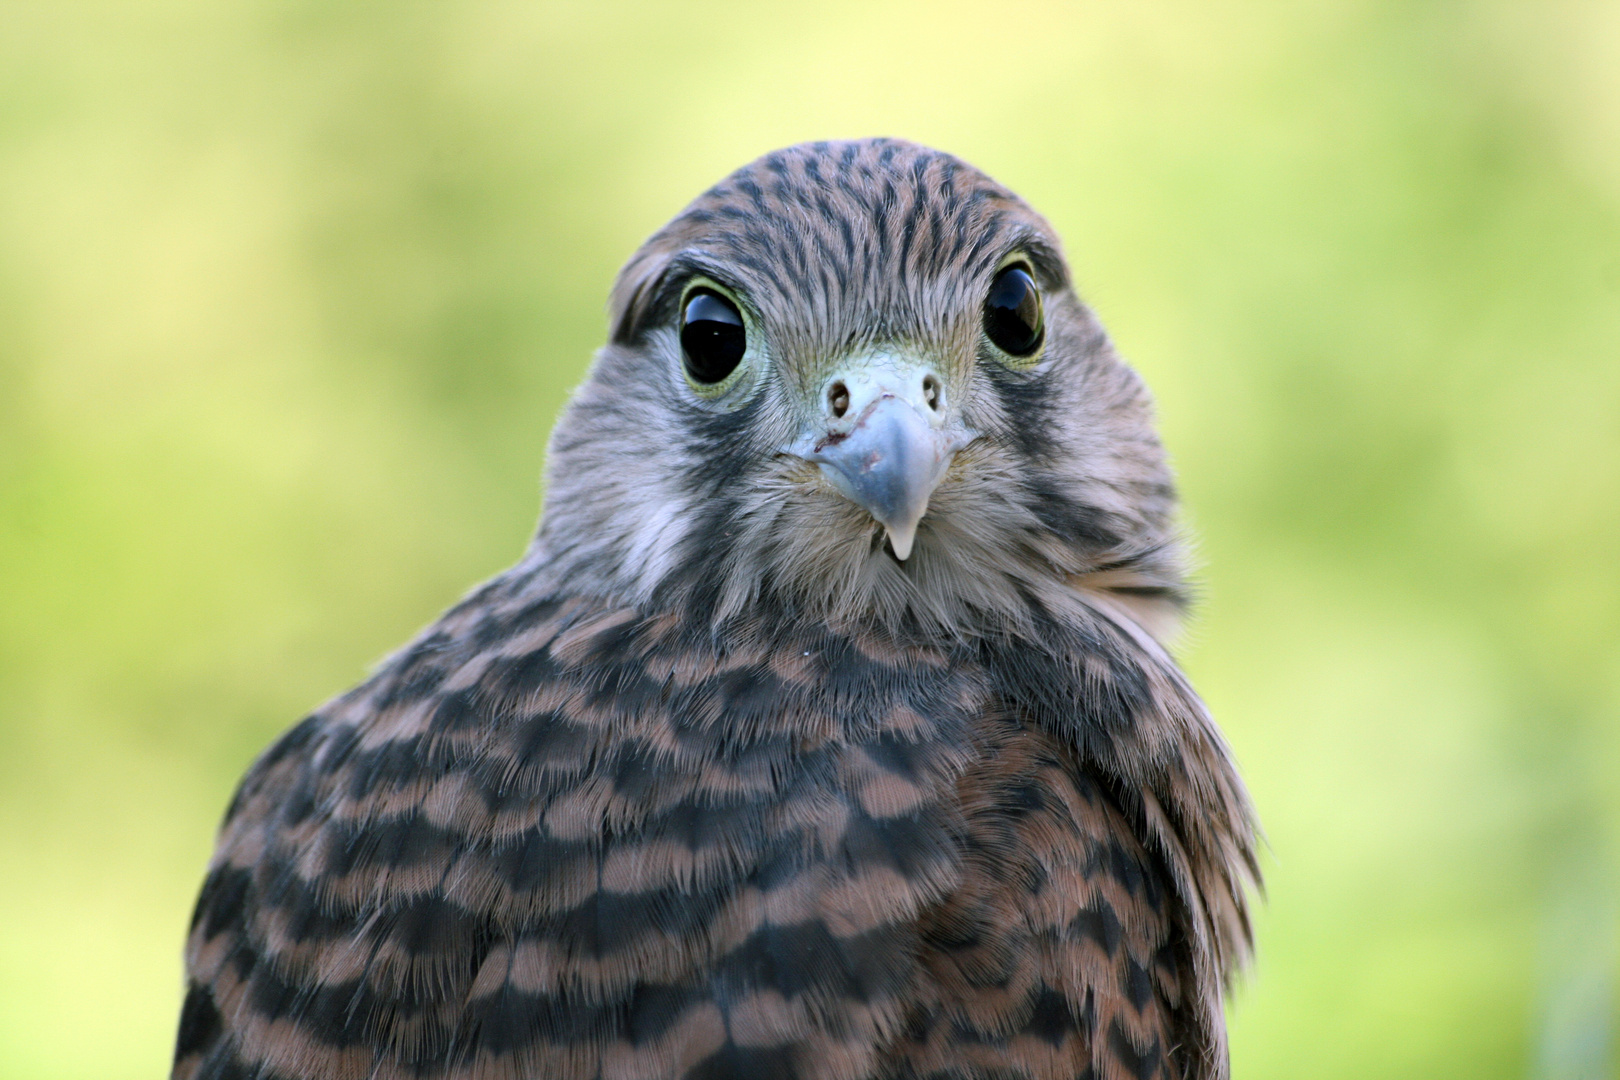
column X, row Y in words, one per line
column 291, row 292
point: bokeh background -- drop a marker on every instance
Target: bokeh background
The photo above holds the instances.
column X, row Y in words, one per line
column 292, row 290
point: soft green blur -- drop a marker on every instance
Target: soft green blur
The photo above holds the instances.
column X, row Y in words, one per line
column 291, row 291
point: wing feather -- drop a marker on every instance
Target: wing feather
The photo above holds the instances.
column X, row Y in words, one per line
column 589, row 844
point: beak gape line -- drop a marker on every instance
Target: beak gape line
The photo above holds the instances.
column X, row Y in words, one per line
column 887, row 442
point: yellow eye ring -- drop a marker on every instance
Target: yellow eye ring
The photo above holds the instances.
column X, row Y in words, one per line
column 716, row 337
column 1014, row 321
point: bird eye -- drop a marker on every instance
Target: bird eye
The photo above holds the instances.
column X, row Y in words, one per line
column 713, row 339
column 1012, row 312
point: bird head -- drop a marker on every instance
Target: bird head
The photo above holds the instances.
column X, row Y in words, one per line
column 853, row 380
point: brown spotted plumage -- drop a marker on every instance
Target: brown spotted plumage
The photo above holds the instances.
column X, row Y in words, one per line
column 825, row 730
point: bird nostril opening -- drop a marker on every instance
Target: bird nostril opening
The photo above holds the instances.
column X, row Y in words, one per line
column 931, row 393
column 838, row 399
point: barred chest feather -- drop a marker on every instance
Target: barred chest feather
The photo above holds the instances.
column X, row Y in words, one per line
column 557, row 839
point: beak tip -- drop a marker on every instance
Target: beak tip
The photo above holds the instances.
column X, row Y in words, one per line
column 901, row 540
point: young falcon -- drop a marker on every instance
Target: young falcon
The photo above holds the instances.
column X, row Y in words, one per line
column 824, row 731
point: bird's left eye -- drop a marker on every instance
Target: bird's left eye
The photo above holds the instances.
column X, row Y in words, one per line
column 713, row 338
column 1012, row 313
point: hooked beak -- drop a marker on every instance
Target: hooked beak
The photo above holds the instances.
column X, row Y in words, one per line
column 887, row 443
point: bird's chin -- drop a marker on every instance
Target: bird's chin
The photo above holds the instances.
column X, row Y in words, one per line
column 832, row 518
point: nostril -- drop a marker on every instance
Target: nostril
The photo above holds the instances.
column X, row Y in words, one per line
column 931, row 392
column 838, row 399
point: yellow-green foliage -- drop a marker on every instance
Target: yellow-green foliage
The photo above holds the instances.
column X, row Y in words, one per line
column 291, row 290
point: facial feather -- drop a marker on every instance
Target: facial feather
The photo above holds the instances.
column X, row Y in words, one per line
column 835, row 252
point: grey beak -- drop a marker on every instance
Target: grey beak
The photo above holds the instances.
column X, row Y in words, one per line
column 887, row 445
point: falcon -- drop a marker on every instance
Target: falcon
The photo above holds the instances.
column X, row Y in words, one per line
column 825, row 730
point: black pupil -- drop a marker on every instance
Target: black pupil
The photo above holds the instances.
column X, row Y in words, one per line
column 712, row 337
column 1012, row 312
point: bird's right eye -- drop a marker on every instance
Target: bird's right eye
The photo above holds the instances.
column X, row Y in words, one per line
column 713, row 338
